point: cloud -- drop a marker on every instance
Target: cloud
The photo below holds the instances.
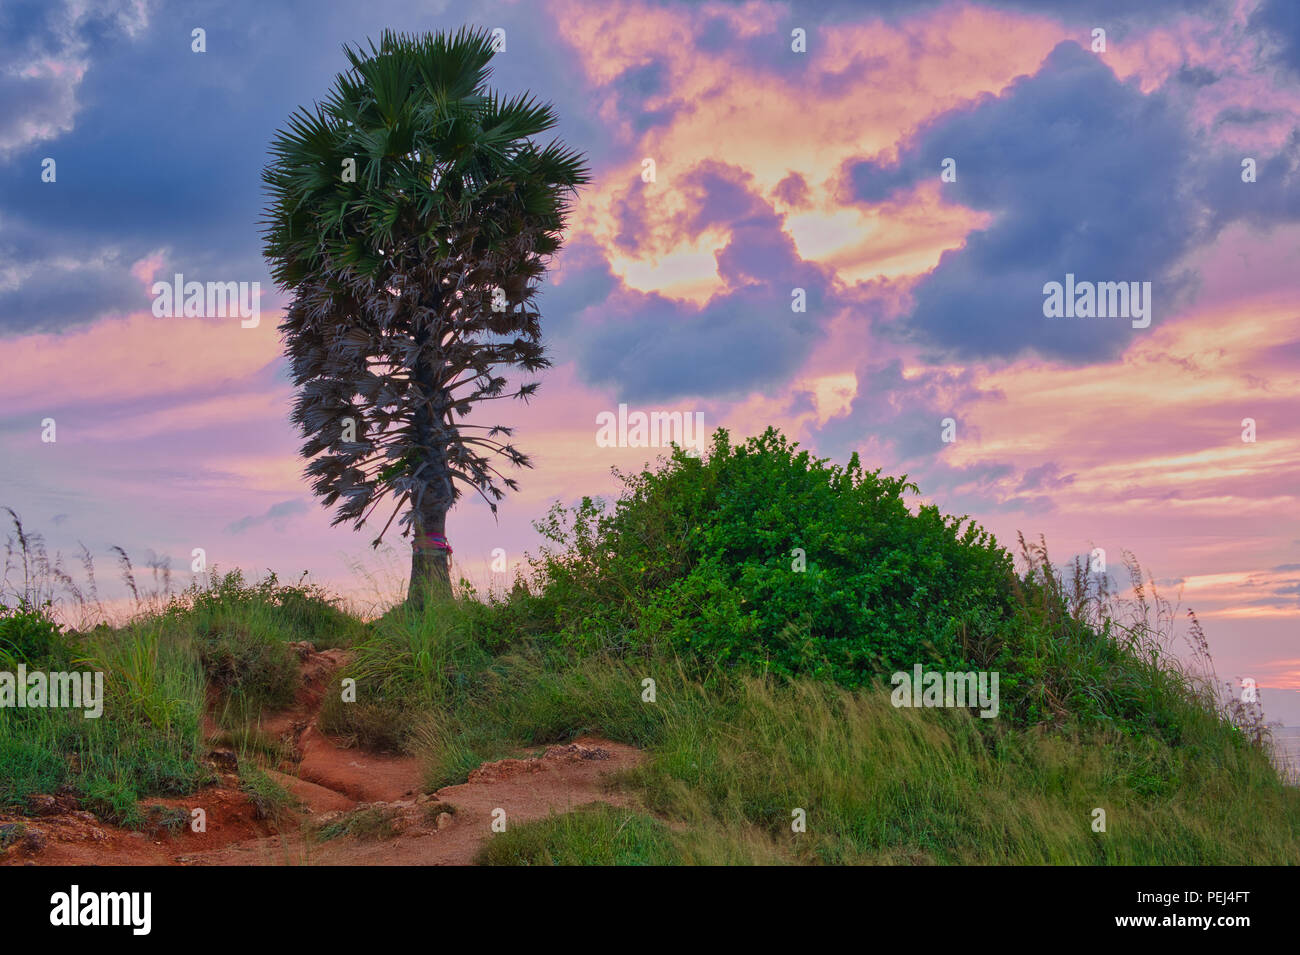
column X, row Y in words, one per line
column 46, row 48
column 42, row 285
column 1077, row 169
column 274, row 515
column 792, row 190
column 1119, row 13
column 1046, row 477
column 650, row 347
column 161, row 147
column 1282, row 19
column 1274, row 196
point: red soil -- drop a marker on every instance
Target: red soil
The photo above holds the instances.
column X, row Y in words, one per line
column 447, row 827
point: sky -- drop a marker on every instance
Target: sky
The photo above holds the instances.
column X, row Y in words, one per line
column 920, row 170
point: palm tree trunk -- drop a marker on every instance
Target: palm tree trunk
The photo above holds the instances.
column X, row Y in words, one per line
column 430, row 563
column 430, row 555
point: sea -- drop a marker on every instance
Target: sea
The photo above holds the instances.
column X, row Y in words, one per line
column 1286, row 750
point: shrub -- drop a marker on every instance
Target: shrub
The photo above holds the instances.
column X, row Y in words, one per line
column 29, row 635
column 764, row 556
column 764, row 559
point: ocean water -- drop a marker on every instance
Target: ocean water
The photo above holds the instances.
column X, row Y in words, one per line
column 1286, row 749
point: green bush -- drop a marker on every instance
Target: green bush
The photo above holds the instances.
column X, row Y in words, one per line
column 240, row 659
column 761, row 558
column 29, row 635
column 764, row 556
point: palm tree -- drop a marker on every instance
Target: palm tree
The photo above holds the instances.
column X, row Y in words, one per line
column 411, row 218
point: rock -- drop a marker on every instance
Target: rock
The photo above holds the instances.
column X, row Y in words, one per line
column 41, row 805
column 224, row 760
column 577, row 751
column 444, row 820
column 34, row 840
column 10, row 833
column 68, row 802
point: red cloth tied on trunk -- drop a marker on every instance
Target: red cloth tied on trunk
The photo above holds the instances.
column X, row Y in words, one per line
column 439, row 541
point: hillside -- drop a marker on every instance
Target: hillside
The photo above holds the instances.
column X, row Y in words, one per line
column 701, row 672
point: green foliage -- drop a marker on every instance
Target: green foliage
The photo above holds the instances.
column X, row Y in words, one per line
column 28, row 634
column 435, row 149
column 727, row 762
column 11, row 834
column 229, row 634
column 909, row 786
column 289, row 611
column 368, row 822
column 675, row 583
column 416, row 659
column 170, row 819
column 146, row 742
column 246, row 661
column 413, row 280
column 115, row 801
column 700, row 556
column 1077, row 654
column 269, row 799
column 242, row 633
column 764, row 559
column 593, row 835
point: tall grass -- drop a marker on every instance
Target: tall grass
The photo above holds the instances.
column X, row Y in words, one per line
column 591, row 835
column 1103, row 655
column 1100, row 712
column 147, row 741
column 1109, row 718
column 221, row 634
column 730, row 759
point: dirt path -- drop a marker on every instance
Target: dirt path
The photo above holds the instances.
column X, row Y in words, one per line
column 375, row 800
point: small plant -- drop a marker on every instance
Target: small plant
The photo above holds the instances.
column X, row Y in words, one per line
column 169, row 819
column 115, row 801
column 11, row 834
column 269, row 799
column 593, row 835
column 364, row 822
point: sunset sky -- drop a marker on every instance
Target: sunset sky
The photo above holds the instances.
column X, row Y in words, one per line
column 775, row 170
